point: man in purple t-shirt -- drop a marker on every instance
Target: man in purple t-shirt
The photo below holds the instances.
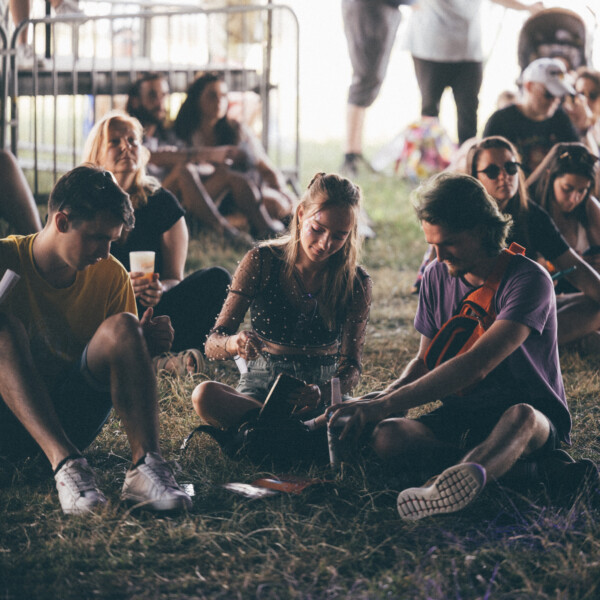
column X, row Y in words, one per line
column 515, row 404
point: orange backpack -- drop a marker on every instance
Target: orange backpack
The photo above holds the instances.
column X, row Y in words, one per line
column 475, row 315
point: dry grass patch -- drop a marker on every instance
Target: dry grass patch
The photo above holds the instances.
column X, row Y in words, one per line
column 342, row 540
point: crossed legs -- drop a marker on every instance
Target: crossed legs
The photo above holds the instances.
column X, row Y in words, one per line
column 247, row 198
column 221, row 405
column 185, row 180
column 520, row 431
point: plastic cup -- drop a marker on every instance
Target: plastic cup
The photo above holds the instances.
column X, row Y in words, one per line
column 142, row 261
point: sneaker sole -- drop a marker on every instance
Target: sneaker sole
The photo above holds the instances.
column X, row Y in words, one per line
column 174, row 504
column 455, row 488
column 86, row 509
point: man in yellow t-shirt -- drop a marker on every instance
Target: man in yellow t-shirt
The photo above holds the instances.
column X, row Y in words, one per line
column 72, row 347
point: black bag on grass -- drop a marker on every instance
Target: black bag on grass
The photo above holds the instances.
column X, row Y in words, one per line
column 285, row 441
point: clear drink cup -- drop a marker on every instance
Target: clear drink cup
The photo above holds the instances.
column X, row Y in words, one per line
column 142, row 261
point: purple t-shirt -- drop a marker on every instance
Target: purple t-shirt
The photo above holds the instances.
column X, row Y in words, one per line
column 531, row 374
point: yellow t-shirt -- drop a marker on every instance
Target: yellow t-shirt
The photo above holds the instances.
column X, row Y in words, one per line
column 61, row 321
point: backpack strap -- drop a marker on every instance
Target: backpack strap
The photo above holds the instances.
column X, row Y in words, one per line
column 475, row 316
column 484, row 295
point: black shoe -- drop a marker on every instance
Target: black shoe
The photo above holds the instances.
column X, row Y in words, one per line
column 352, row 161
column 567, row 479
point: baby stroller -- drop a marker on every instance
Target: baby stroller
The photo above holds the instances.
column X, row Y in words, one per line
column 555, row 33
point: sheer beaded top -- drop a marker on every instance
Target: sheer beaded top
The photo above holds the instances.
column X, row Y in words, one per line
column 282, row 312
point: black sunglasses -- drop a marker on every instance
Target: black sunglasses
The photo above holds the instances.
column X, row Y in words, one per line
column 492, row 171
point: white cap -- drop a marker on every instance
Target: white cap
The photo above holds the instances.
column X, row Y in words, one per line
column 550, row 72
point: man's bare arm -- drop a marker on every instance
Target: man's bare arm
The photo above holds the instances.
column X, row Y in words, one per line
column 462, row 371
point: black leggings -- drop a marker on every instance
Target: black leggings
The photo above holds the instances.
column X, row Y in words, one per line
column 465, row 80
column 193, row 306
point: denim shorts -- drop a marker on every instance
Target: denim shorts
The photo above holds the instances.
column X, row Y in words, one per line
column 83, row 405
column 263, row 371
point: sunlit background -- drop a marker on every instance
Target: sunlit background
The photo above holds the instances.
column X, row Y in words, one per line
column 325, row 70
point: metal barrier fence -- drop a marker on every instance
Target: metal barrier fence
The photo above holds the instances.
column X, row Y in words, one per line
column 48, row 109
column 3, row 83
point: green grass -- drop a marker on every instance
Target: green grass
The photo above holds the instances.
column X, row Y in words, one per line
column 340, row 540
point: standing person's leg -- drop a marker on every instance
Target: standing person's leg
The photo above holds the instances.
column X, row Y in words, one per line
column 17, row 204
column 466, row 83
column 193, row 306
column 20, row 10
column 370, row 29
column 432, row 79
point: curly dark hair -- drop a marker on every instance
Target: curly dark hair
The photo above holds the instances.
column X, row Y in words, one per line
column 87, row 191
column 460, row 203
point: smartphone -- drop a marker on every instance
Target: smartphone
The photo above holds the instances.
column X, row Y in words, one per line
column 560, row 274
column 277, row 404
column 592, row 250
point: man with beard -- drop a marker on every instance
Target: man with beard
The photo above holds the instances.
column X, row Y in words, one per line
column 147, row 102
column 180, row 170
column 504, row 397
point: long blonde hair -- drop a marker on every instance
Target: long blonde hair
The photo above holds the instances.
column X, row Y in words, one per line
column 326, row 191
column 144, row 184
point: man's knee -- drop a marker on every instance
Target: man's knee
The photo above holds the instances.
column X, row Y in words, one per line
column 119, row 332
column 11, row 329
column 519, row 417
column 389, row 437
column 203, row 397
column 219, row 278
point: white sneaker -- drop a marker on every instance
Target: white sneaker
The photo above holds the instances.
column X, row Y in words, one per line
column 27, row 60
column 77, row 488
column 69, row 8
column 452, row 490
column 152, row 484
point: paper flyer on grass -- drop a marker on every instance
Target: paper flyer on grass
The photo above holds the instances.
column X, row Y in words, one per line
column 7, row 283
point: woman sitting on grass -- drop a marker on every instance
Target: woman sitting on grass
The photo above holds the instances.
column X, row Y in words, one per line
column 309, row 302
column 563, row 185
column 246, row 174
column 193, row 303
column 495, row 162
